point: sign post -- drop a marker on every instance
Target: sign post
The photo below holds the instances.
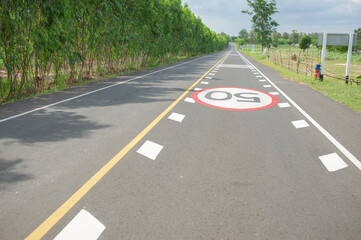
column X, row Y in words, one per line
column 349, row 52
column 337, row 39
column 323, row 56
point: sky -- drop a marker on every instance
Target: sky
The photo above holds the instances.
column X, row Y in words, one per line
column 332, row 16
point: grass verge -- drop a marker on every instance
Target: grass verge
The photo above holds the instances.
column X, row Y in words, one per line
column 349, row 95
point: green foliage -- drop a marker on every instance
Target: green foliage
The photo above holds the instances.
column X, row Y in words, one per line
column 243, row 34
column 42, row 42
column 294, row 37
column 240, row 41
column 263, row 24
column 305, row 42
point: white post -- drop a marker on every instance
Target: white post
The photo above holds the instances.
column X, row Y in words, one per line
column 323, row 55
column 349, row 57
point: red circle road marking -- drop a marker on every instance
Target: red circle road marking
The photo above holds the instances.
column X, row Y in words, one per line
column 270, row 99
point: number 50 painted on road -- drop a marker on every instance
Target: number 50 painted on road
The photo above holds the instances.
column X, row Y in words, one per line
column 235, row 99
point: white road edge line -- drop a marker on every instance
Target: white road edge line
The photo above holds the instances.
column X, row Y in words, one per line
column 337, row 144
column 94, row 91
column 82, row 226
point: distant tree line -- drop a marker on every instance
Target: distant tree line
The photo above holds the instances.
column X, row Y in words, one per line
column 303, row 40
column 43, row 42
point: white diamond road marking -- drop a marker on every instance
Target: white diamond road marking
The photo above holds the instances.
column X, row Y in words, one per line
column 284, row 105
column 300, row 124
column 197, row 89
column 209, row 77
column 204, row 82
column 274, row 93
column 332, row 162
column 267, row 86
column 190, row 100
column 176, row 117
column 82, row 226
column 262, row 80
column 150, row 149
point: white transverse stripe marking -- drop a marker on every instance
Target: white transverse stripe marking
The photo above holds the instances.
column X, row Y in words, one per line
column 214, row 71
column 332, row 162
column 211, row 74
column 274, row 93
column 256, row 73
column 190, row 100
column 262, row 80
column 197, row 89
column 267, row 86
column 176, row 117
column 150, row 149
column 209, row 77
column 204, row 82
column 83, row 226
column 91, row 92
column 284, row 105
column 333, row 140
column 258, row 76
column 300, row 124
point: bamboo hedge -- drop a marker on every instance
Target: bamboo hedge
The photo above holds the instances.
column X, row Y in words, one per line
column 44, row 43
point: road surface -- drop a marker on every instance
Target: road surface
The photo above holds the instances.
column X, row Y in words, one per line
column 216, row 147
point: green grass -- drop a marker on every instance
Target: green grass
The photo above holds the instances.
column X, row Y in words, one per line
column 62, row 79
column 349, row 95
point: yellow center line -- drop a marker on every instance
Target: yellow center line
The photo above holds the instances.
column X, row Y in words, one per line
column 44, row 227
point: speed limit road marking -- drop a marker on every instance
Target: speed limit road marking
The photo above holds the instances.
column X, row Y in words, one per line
column 235, row 99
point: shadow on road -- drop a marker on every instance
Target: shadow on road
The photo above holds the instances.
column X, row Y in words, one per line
column 44, row 126
column 10, row 172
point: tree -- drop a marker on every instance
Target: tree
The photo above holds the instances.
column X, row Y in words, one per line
column 285, row 35
column 275, row 37
column 294, row 37
column 263, row 24
column 305, row 42
column 243, row 34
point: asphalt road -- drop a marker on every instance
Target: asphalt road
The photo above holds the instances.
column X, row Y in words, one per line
column 216, row 147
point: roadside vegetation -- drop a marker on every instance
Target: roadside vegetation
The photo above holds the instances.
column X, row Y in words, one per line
column 291, row 67
column 51, row 45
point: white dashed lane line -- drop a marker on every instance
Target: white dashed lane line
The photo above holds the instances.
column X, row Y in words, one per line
column 332, row 162
column 274, row 93
column 150, row 149
column 300, row 124
column 267, row 86
column 198, row 89
column 284, row 105
column 211, row 74
column 176, row 117
column 82, row 226
column 190, row 100
column 262, row 80
column 204, row 82
column 208, row 77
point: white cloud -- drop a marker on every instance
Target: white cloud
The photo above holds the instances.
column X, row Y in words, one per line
column 302, row 15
